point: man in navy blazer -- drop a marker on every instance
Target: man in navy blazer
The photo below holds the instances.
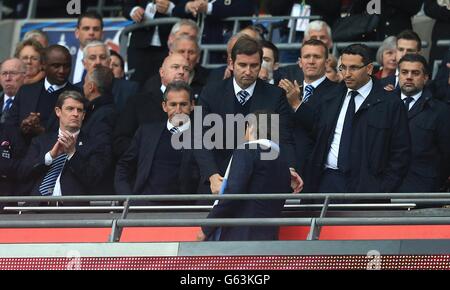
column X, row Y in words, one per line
column 428, row 120
column 250, row 172
column 306, row 98
column 35, row 103
column 242, row 94
column 152, row 165
column 65, row 162
column 362, row 141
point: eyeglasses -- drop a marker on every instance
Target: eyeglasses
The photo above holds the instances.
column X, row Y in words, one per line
column 5, row 74
column 352, row 68
column 32, row 58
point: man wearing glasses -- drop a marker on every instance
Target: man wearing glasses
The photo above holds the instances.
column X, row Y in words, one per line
column 361, row 133
column 12, row 76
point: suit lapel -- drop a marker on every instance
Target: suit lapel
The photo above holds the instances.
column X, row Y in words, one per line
column 229, row 96
column 418, row 106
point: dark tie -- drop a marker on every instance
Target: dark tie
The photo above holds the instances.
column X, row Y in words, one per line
column 242, row 97
column 309, row 89
column 346, row 137
column 174, row 130
column 8, row 104
column 50, row 89
column 408, row 101
column 50, row 178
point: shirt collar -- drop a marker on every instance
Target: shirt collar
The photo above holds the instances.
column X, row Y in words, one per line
column 163, row 88
column 182, row 128
column 6, row 97
column 315, row 83
column 249, row 90
column 55, row 87
column 364, row 91
column 415, row 97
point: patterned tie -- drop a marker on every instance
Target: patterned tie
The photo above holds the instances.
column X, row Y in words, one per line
column 408, row 101
column 8, row 104
column 48, row 184
column 346, row 137
column 50, row 89
column 309, row 89
column 174, row 130
column 242, row 97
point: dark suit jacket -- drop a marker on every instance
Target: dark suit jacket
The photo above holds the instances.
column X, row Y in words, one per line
column 121, row 91
column 304, row 122
column 440, row 86
column 81, row 172
column 26, row 101
column 134, row 167
column 98, row 125
column 249, row 174
column 144, row 107
column 141, row 38
column 265, row 97
column 381, row 144
column 429, row 121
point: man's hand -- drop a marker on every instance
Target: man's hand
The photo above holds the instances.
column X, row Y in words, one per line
column 389, row 88
column 216, row 183
column 57, row 149
column 162, row 6
column 31, row 125
column 68, row 142
column 201, row 236
column 138, row 15
column 296, row 181
column 292, row 92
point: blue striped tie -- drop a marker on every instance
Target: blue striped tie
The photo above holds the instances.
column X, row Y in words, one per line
column 50, row 89
column 48, row 184
column 242, row 97
column 8, row 104
column 174, row 130
column 309, row 89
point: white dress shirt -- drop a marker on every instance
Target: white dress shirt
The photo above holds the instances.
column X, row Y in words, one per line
column 55, row 87
column 364, row 91
column 249, row 90
column 48, row 161
column 181, row 128
column 315, row 83
column 78, row 67
column 415, row 97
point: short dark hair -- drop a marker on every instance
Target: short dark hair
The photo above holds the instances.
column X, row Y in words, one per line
column 69, row 95
column 53, row 47
column 177, row 86
column 413, row 57
column 273, row 48
column 248, row 46
column 410, row 35
column 115, row 53
column 361, row 50
column 102, row 77
column 90, row 14
column 316, row 42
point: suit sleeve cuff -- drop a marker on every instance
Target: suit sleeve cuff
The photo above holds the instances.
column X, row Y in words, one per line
column 210, row 8
column 170, row 9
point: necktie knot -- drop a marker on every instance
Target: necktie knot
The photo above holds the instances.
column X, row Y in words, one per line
column 243, row 96
column 353, row 94
column 50, row 89
column 174, row 130
column 408, row 101
column 309, row 89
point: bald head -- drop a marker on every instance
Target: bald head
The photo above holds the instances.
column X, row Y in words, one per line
column 174, row 68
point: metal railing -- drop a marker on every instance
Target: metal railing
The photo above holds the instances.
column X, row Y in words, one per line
column 117, row 224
